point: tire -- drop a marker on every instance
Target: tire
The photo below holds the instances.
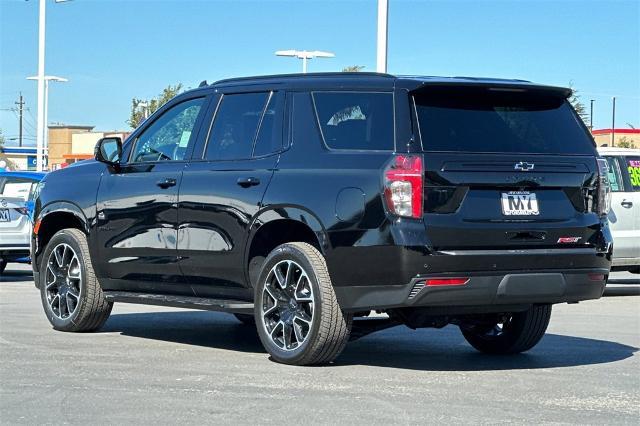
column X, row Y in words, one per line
column 519, row 333
column 308, row 311
column 246, row 319
column 3, row 265
column 85, row 307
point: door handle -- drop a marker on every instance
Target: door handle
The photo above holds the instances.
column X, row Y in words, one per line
column 246, row 182
column 626, row 203
column 166, row 183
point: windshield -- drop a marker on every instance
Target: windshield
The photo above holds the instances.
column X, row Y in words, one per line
column 481, row 120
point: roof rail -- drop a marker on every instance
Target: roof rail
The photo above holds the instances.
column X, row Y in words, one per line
column 305, row 75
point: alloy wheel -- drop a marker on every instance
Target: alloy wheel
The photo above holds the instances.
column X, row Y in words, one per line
column 63, row 280
column 287, row 305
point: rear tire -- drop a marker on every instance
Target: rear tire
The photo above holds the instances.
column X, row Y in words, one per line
column 297, row 314
column 71, row 295
column 519, row 332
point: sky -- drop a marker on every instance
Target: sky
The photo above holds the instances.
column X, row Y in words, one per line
column 114, row 50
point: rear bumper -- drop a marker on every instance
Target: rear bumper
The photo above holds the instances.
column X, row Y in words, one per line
column 482, row 290
column 13, row 251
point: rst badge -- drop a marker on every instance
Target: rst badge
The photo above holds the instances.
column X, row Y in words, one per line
column 520, row 203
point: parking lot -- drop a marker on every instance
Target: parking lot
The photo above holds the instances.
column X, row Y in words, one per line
column 164, row 365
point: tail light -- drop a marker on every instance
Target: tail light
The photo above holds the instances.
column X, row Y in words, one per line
column 603, row 192
column 22, row 210
column 403, row 185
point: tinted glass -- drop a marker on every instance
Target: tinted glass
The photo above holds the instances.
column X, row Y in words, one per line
column 356, row 120
column 235, row 125
column 633, row 167
column 486, row 121
column 269, row 138
column 168, row 137
column 614, row 174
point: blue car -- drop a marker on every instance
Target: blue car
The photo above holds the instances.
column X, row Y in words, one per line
column 16, row 208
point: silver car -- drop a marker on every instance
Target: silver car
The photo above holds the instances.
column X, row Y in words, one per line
column 624, row 216
column 16, row 192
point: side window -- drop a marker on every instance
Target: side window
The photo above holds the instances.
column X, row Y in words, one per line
column 356, row 120
column 235, row 125
column 614, row 174
column 633, row 167
column 168, row 137
column 14, row 187
column 269, row 138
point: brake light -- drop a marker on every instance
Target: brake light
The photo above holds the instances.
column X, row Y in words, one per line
column 603, row 201
column 447, row 281
column 403, row 185
column 36, row 226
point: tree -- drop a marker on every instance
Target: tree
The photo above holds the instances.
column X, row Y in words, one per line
column 577, row 104
column 1, row 138
column 353, row 68
column 623, row 142
column 141, row 106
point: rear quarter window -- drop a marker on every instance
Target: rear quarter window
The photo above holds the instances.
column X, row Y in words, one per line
column 475, row 120
column 356, row 120
column 633, row 167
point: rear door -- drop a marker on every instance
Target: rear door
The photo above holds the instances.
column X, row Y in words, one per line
column 505, row 169
column 625, row 207
column 222, row 190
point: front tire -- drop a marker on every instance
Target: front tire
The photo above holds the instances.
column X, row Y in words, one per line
column 71, row 295
column 515, row 333
column 297, row 314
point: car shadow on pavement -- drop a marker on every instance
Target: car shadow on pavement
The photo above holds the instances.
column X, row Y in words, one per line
column 202, row 328
column 398, row 347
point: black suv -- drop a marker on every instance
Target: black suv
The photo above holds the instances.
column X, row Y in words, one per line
column 299, row 202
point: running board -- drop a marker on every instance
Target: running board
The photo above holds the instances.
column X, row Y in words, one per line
column 188, row 302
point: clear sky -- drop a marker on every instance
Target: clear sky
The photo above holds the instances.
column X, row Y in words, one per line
column 114, row 50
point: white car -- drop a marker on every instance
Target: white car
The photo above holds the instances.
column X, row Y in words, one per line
column 624, row 216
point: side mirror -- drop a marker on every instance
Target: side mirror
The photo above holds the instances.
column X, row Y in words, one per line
column 109, row 150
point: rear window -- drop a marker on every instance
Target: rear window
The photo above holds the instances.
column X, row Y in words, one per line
column 633, row 166
column 14, row 187
column 356, row 120
column 480, row 120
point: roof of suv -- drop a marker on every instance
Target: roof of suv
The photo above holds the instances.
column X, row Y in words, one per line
column 372, row 79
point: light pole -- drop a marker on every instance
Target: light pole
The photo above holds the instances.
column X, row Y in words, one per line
column 45, row 133
column 613, row 121
column 383, row 35
column 591, row 116
column 305, row 55
column 41, row 82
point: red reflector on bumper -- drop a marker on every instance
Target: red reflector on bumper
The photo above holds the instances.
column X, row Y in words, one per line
column 446, row 281
column 596, row 277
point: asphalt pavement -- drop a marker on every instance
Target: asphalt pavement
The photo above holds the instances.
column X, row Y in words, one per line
column 153, row 365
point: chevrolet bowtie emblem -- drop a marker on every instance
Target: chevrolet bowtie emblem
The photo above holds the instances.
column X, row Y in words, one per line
column 524, row 166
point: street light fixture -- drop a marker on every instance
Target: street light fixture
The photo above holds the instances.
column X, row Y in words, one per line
column 305, row 55
column 41, row 82
column 45, row 133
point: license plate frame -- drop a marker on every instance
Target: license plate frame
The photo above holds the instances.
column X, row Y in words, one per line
column 519, row 203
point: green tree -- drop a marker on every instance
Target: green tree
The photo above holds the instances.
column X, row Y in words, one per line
column 623, row 142
column 140, row 106
column 577, row 104
column 1, row 138
column 353, row 68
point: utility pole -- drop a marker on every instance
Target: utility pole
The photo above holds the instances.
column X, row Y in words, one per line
column 591, row 117
column 20, row 104
column 613, row 122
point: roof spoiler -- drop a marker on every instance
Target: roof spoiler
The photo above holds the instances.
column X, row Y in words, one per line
column 516, row 87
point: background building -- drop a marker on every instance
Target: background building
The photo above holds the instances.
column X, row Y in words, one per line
column 60, row 136
column 627, row 138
